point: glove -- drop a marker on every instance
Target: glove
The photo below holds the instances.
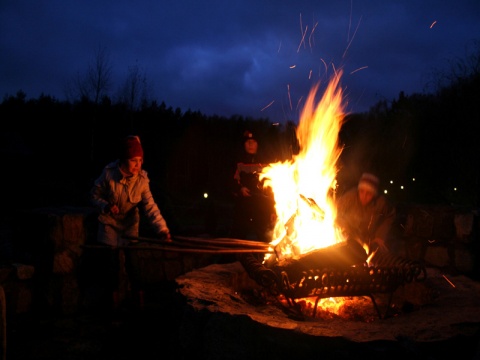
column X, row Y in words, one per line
column 165, row 235
column 111, row 209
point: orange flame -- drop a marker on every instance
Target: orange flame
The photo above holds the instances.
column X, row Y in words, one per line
column 304, row 186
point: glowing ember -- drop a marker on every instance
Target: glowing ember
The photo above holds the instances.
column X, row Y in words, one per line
column 304, row 186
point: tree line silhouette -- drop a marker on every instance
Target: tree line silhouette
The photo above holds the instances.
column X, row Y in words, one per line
column 53, row 150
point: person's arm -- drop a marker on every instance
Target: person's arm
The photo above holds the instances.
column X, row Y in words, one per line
column 154, row 214
column 388, row 214
column 98, row 194
column 235, row 184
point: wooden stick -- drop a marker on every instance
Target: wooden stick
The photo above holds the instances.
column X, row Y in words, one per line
column 229, row 242
column 187, row 250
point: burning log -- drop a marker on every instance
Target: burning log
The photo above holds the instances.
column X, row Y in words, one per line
column 320, row 214
column 340, row 255
column 288, row 244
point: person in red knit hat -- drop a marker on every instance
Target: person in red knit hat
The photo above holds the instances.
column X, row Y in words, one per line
column 117, row 193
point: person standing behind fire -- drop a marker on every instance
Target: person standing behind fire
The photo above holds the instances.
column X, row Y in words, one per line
column 254, row 209
column 366, row 215
column 117, row 193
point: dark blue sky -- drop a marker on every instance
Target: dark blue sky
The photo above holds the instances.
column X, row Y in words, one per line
column 238, row 57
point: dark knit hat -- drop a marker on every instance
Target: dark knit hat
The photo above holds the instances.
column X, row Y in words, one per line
column 369, row 182
column 248, row 135
column 131, row 147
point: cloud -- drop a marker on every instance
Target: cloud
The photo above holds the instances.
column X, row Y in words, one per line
column 251, row 58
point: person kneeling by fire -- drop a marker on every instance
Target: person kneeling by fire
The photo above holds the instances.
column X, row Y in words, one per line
column 365, row 215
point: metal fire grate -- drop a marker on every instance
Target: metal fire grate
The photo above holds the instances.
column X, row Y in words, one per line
column 300, row 279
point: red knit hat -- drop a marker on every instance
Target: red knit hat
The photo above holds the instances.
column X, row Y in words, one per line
column 131, row 147
column 248, row 135
column 369, row 182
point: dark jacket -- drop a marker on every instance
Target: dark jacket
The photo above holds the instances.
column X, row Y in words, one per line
column 365, row 222
column 252, row 214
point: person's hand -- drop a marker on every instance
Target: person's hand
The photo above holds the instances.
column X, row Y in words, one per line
column 111, row 209
column 245, row 191
column 165, row 236
column 381, row 243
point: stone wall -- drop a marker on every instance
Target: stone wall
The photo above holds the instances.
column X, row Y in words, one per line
column 70, row 269
column 442, row 236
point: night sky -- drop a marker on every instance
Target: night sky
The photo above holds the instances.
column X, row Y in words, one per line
column 251, row 58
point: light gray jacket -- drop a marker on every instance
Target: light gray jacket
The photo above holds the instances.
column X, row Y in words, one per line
column 111, row 187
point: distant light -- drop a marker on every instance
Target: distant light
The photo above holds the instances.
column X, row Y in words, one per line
column 454, row 189
column 385, row 191
column 401, row 187
column 413, row 179
column 391, row 181
column 205, row 195
column 276, row 124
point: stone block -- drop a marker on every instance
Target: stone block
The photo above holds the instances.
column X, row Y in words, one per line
column 464, row 260
column 464, row 225
column 23, row 271
column 459, row 258
column 19, row 296
column 438, row 256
